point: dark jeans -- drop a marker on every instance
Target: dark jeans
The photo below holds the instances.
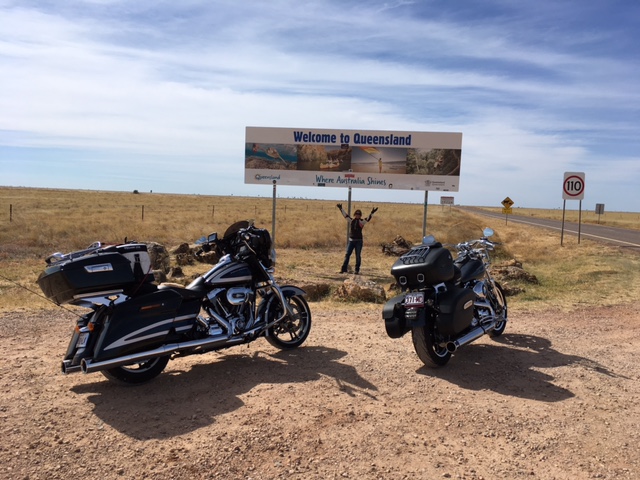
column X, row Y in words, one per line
column 351, row 246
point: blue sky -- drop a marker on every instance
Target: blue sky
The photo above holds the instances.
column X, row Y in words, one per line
column 156, row 95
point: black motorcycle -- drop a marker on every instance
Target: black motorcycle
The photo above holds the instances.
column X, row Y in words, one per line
column 445, row 303
column 136, row 326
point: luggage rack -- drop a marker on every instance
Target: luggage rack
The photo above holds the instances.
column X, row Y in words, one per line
column 62, row 257
column 417, row 254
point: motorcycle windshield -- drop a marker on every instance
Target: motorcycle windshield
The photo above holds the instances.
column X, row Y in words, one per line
column 235, row 228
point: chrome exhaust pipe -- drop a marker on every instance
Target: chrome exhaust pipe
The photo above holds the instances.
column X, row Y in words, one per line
column 89, row 366
column 465, row 339
column 68, row 368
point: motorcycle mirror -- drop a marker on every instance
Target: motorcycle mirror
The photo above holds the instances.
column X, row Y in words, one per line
column 428, row 240
column 210, row 239
column 487, row 232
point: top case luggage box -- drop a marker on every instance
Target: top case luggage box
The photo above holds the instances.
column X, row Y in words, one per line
column 423, row 266
column 90, row 274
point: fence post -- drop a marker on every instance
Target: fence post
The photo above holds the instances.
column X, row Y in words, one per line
column 10, row 212
column 143, row 213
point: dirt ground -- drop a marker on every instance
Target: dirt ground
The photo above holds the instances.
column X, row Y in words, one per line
column 556, row 397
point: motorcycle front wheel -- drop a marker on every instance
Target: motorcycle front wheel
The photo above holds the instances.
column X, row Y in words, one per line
column 137, row 373
column 427, row 346
column 501, row 311
column 292, row 331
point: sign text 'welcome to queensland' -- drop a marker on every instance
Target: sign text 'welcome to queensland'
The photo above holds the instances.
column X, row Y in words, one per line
column 353, row 158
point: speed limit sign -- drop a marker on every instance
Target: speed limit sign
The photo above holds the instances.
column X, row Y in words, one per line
column 573, row 186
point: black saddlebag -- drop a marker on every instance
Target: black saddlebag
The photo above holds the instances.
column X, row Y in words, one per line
column 395, row 322
column 456, row 310
column 423, row 266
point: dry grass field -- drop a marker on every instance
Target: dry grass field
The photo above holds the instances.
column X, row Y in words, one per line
column 310, row 237
column 557, row 397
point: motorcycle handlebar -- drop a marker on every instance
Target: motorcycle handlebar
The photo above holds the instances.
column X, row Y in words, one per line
column 483, row 243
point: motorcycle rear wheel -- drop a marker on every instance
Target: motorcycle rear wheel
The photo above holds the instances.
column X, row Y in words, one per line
column 291, row 332
column 428, row 348
column 137, row 373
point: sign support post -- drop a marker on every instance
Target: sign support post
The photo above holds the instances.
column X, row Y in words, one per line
column 273, row 215
column 424, row 215
column 579, row 220
column 564, row 208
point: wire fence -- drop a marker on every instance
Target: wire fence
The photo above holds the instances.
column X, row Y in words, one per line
column 16, row 212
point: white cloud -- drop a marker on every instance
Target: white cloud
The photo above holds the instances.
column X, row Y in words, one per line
column 152, row 82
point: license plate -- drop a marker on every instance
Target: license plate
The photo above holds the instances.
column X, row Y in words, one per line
column 414, row 300
column 82, row 340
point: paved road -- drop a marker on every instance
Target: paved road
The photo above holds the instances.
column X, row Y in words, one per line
column 615, row 236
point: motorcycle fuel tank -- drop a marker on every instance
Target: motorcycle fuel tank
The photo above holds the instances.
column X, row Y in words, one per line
column 229, row 273
column 471, row 269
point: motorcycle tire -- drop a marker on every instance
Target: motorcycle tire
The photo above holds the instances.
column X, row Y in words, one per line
column 291, row 332
column 501, row 325
column 137, row 373
column 428, row 348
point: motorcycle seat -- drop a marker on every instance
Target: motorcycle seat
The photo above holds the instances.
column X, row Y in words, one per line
column 188, row 293
column 457, row 273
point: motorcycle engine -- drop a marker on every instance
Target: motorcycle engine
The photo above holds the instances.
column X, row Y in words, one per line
column 233, row 305
column 483, row 311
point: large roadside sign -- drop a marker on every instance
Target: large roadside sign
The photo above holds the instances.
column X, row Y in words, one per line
column 573, row 186
column 399, row 160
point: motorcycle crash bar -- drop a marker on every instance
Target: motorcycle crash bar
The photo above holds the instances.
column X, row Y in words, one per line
column 89, row 366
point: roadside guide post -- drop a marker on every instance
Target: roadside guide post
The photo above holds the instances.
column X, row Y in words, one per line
column 572, row 189
column 507, row 203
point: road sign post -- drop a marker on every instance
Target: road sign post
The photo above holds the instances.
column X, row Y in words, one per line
column 572, row 189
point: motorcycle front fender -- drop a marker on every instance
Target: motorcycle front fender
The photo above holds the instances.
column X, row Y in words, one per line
column 271, row 297
column 292, row 290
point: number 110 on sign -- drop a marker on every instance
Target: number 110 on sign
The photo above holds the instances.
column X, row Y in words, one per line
column 573, row 186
